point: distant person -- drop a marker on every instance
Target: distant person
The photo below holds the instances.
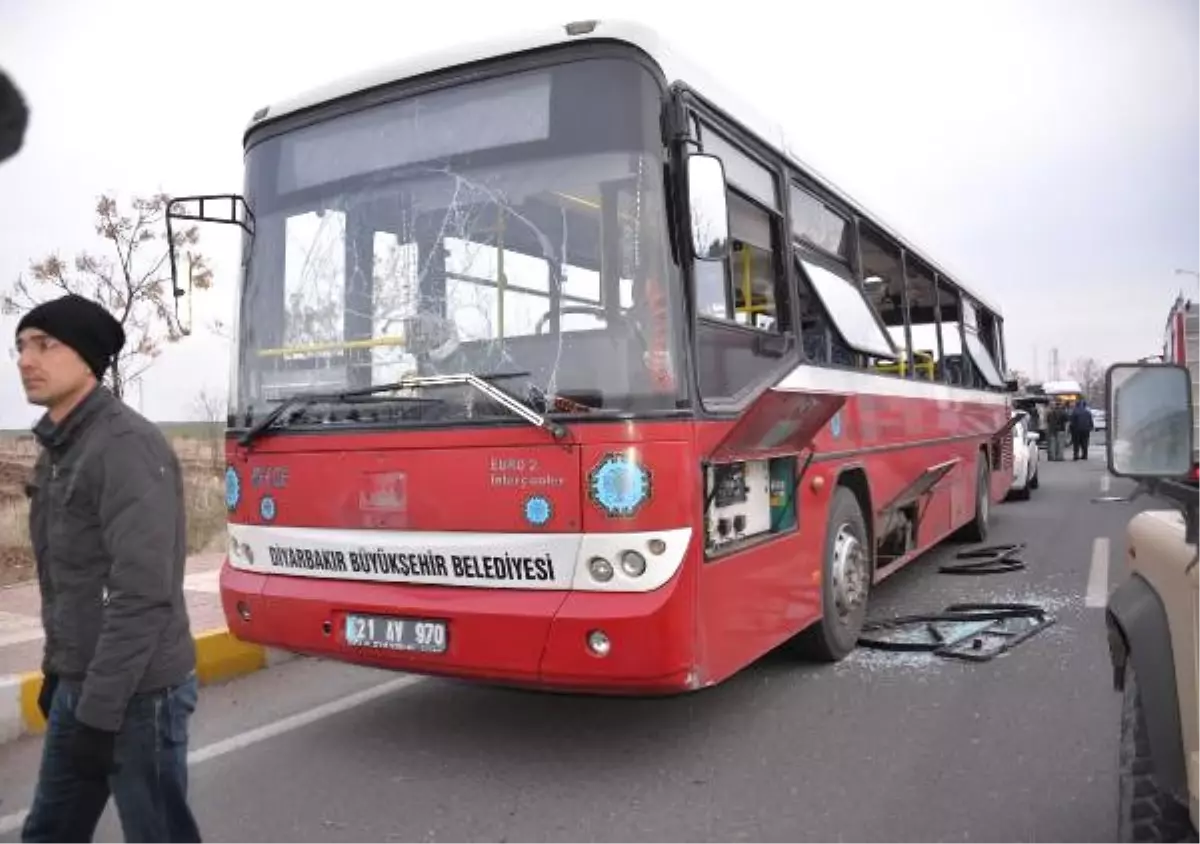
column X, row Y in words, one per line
column 107, row 522
column 1081, row 429
column 1056, row 426
column 1068, row 409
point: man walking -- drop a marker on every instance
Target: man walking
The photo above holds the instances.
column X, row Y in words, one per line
column 1056, row 423
column 107, row 522
column 1081, row 428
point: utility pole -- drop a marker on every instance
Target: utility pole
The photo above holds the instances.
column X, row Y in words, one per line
column 1054, row 376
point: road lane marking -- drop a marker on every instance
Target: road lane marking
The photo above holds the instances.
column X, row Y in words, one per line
column 1097, row 585
column 295, row 722
column 12, row 822
column 1105, row 482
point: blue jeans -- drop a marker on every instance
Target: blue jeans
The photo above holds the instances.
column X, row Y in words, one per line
column 150, row 781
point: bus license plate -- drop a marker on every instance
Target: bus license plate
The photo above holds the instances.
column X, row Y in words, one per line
column 395, row 634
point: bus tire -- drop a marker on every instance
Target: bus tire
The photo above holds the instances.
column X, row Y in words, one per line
column 977, row 529
column 845, row 583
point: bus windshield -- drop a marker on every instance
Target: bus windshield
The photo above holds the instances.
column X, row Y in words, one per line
column 512, row 228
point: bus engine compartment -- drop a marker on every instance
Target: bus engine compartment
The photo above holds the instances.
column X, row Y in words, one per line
column 747, row 500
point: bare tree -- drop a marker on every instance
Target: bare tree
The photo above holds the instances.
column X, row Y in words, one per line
column 210, row 408
column 132, row 281
column 1089, row 372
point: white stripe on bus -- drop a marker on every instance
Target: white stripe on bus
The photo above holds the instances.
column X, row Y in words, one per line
column 819, row 379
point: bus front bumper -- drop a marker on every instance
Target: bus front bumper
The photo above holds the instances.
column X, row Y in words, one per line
column 539, row 639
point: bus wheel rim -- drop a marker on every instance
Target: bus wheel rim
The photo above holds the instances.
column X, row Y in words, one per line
column 849, row 571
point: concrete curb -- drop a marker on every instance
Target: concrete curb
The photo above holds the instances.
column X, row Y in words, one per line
column 220, row 656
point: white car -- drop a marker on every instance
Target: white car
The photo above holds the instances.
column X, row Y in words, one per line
column 1025, row 458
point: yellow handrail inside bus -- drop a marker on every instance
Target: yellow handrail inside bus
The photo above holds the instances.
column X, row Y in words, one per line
column 310, row 348
column 924, row 365
column 745, row 285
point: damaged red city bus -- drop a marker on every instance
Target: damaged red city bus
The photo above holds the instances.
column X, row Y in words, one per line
column 553, row 368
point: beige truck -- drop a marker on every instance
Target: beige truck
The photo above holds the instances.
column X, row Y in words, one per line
column 1152, row 616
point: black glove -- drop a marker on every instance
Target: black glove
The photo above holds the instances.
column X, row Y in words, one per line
column 46, row 695
column 93, row 751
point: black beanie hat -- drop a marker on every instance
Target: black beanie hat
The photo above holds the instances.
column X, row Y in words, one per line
column 81, row 324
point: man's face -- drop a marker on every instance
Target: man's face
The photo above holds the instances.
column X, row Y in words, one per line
column 51, row 372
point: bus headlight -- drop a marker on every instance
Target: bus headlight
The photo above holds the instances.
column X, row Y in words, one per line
column 633, row 563
column 600, row 569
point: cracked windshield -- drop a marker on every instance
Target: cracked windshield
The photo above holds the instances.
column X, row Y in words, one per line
column 511, row 228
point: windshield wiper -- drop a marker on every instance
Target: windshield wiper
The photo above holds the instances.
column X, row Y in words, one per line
column 300, row 400
column 500, row 376
column 496, row 394
column 480, row 383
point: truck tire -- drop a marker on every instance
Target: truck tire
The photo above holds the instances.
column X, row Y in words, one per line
column 1144, row 811
column 845, row 583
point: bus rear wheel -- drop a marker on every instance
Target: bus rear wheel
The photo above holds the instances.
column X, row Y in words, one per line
column 845, row 583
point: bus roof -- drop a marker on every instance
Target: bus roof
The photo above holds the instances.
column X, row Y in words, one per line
column 675, row 67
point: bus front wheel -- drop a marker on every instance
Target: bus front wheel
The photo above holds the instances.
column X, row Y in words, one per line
column 977, row 529
column 845, row 583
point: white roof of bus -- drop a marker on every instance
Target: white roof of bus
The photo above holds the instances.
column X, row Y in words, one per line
column 1059, row 388
column 675, row 67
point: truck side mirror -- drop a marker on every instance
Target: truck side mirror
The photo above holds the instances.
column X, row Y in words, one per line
column 707, row 207
column 1151, row 432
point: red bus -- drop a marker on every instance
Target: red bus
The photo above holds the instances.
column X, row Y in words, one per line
column 1181, row 345
column 554, row 368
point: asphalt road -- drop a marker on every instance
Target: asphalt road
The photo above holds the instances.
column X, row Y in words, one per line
column 883, row 746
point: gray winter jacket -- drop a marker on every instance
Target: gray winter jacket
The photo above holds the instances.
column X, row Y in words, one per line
column 107, row 512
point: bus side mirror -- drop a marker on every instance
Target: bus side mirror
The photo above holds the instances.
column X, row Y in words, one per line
column 707, row 208
column 1012, row 386
column 196, row 208
column 1151, row 431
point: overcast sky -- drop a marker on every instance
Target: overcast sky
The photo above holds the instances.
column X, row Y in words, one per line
column 1047, row 150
